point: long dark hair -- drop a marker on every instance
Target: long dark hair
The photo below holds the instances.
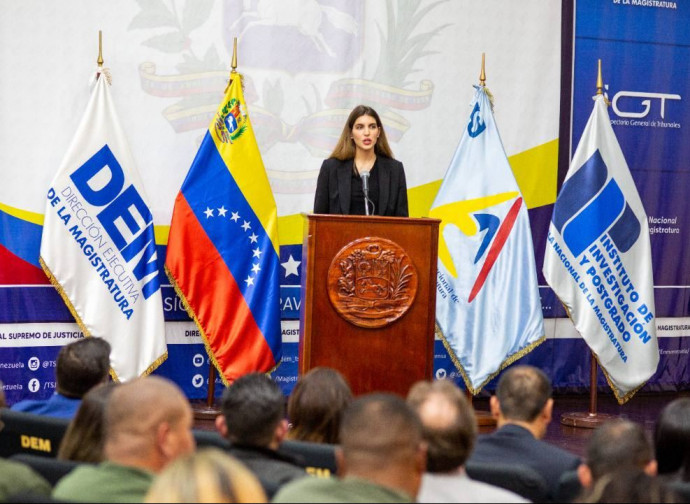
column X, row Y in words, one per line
column 672, row 439
column 316, row 405
column 345, row 148
column 83, row 440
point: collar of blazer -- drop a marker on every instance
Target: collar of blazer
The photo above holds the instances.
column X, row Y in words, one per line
column 383, row 167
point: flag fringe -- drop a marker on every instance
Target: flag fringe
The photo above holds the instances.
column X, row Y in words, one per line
column 83, row 327
column 192, row 314
column 160, row 360
column 507, row 362
column 622, row 399
column 490, row 96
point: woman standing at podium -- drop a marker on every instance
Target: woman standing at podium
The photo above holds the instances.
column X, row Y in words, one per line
column 361, row 177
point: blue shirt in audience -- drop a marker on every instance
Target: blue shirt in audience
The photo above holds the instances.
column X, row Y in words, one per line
column 57, row 406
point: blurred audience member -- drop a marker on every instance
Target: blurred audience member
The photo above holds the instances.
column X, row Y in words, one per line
column 672, row 440
column 209, row 475
column 19, row 479
column 522, row 407
column 316, row 405
column 614, row 446
column 80, row 366
column 381, row 456
column 148, row 424
column 628, row 485
column 83, row 440
column 449, row 428
column 253, row 420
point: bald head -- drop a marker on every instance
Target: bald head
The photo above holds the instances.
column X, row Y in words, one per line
column 381, row 441
column 147, row 423
column 448, row 423
column 379, row 428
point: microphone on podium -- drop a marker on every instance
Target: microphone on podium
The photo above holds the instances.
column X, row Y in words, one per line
column 365, row 188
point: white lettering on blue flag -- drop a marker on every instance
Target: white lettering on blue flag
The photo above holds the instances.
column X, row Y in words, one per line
column 598, row 258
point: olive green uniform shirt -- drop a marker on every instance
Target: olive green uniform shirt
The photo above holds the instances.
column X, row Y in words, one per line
column 20, row 479
column 338, row 490
column 105, row 482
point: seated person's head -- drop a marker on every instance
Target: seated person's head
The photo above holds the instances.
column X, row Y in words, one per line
column 83, row 440
column 616, row 444
column 628, row 485
column 672, row 439
column 208, row 475
column 253, row 412
column 381, row 441
column 449, row 426
column 148, row 423
column 82, row 365
column 523, row 395
column 316, row 405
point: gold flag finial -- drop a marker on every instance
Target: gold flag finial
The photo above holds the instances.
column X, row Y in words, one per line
column 100, row 49
column 234, row 55
column 600, row 81
column 600, row 85
column 482, row 74
column 233, row 63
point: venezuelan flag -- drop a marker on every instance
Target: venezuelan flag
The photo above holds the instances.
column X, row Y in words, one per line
column 223, row 255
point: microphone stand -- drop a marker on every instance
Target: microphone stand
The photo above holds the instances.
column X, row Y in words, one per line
column 365, row 188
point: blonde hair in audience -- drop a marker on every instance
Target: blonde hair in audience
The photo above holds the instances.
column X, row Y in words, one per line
column 207, row 475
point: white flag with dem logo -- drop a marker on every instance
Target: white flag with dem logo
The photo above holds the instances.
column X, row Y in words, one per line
column 598, row 258
column 488, row 309
column 98, row 245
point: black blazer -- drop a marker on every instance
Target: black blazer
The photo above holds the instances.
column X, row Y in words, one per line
column 333, row 188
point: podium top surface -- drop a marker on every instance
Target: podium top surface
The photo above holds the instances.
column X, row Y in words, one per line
column 370, row 218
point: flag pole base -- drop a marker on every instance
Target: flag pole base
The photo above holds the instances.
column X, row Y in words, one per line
column 484, row 419
column 202, row 411
column 207, row 410
column 585, row 420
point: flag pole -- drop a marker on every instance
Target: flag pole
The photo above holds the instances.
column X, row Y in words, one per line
column 484, row 418
column 212, row 369
column 233, row 63
column 99, row 61
column 482, row 73
column 210, row 411
column 593, row 360
column 591, row 419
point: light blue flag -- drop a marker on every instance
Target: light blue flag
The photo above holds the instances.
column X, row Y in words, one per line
column 598, row 258
column 488, row 310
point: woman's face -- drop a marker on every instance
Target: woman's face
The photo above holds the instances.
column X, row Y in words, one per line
column 365, row 133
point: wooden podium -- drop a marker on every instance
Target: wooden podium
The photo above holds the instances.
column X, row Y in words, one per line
column 369, row 299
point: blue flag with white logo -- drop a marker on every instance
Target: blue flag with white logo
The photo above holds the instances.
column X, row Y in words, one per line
column 598, row 258
column 488, row 310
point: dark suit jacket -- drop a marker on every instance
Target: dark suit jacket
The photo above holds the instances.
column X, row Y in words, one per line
column 512, row 444
column 334, row 182
column 273, row 469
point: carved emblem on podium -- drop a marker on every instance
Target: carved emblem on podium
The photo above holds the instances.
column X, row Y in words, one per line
column 372, row 282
